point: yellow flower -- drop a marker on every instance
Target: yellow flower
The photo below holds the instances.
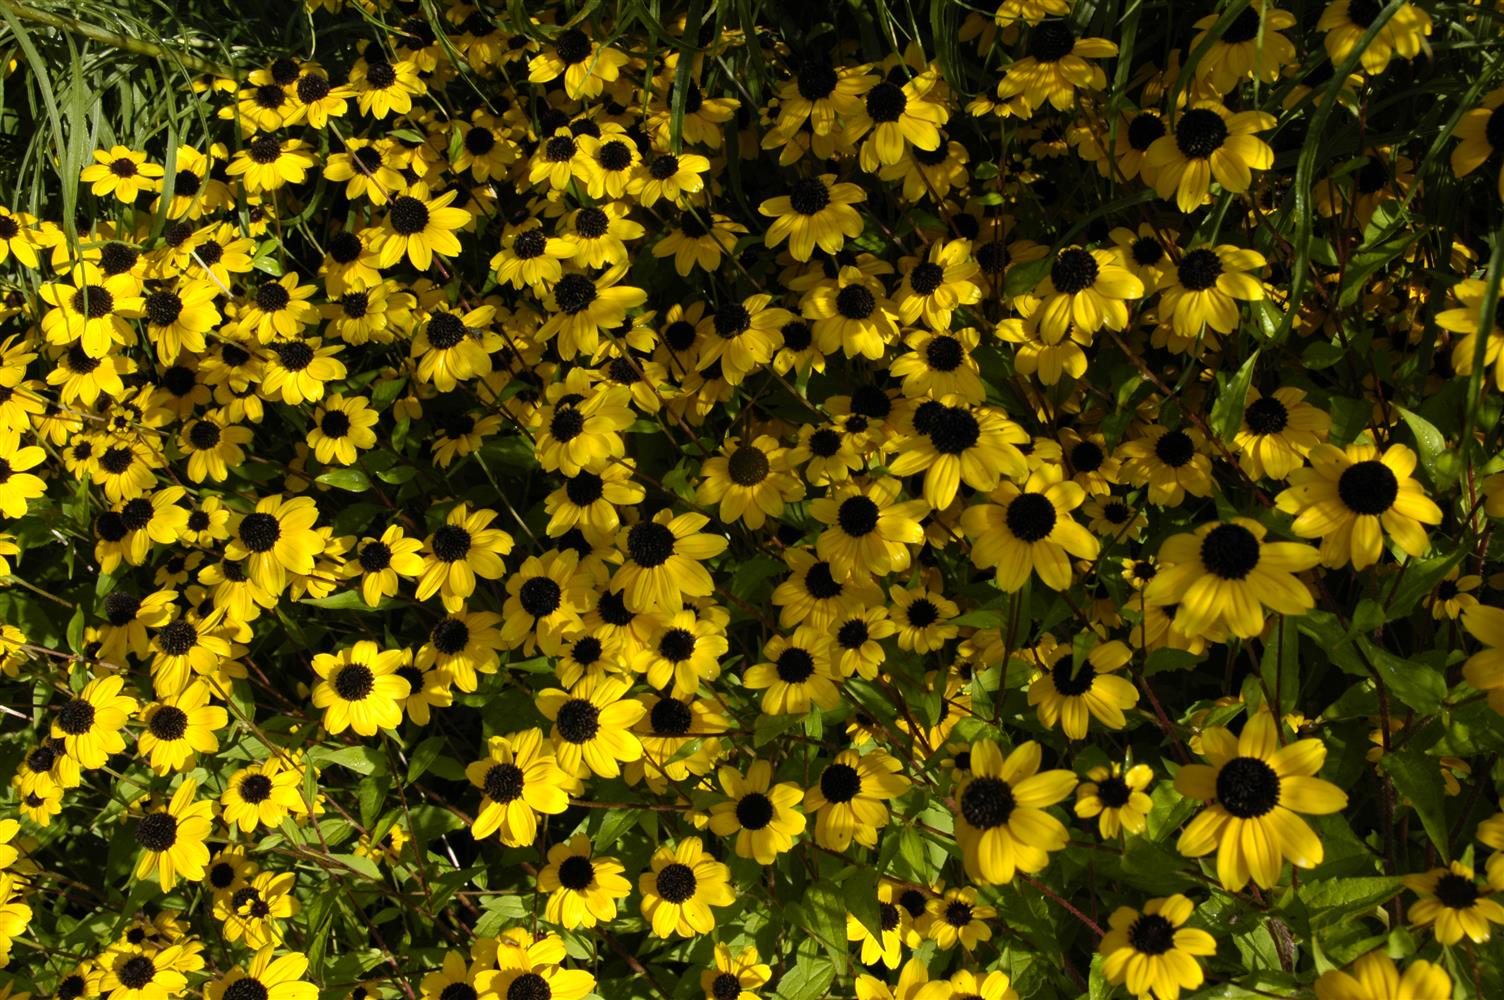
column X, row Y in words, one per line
column 420, row 228
column 172, row 839
column 583, row 888
column 1152, row 952
column 765, row 817
column 122, row 172
column 680, row 888
column 1001, row 824
column 519, row 781
column 359, row 688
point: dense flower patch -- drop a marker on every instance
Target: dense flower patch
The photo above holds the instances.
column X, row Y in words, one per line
column 904, row 501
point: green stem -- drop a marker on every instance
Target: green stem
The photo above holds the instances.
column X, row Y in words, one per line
column 119, row 41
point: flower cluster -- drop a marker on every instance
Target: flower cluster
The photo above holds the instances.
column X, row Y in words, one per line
column 920, row 502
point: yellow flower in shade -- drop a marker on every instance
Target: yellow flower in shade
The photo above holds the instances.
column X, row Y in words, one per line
column 180, row 728
column 252, row 912
column 1019, row 531
column 1073, row 695
column 261, row 795
column 884, row 945
column 1224, row 574
column 172, row 839
column 585, row 66
column 1452, row 905
column 681, row 886
column 1205, row 287
column 359, row 688
column 940, row 366
column 132, row 973
column 684, row 649
column 121, row 172
column 661, row 561
column 922, row 618
column 956, row 918
column 458, row 976
column 1345, row 22
column 1001, row 825
column 383, row 87
column 1170, row 462
column 742, row 336
column 420, row 228
column 268, row 163
column 816, row 212
column 765, row 817
column 1252, row 47
column 531, row 258
column 276, row 539
column 589, row 501
column 795, row 673
column 1208, row 142
column 1468, row 319
column 583, row 890
column 580, row 307
column 592, row 725
column 897, row 117
column 869, row 530
column 582, row 428
column 458, row 551
column 1278, row 432
column 1375, row 977
column 1482, row 133
column 1351, row 498
column 959, row 444
column 89, row 725
column 1254, row 788
column 1484, row 670
column 1153, row 953
column 1117, row 799
column 750, row 482
column 734, row 978
column 278, row 977
column 519, row 779
column 1453, row 595
column 669, row 176
column 850, row 801
column 1055, row 68
column 913, row 980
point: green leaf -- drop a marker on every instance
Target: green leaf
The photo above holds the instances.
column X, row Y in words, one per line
column 809, row 979
column 826, row 911
column 1227, row 411
column 386, row 392
column 362, row 759
column 1412, row 681
column 1418, row 778
column 1431, row 446
column 1420, row 577
column 352, row 480
column 347, row 600
column 423, row 757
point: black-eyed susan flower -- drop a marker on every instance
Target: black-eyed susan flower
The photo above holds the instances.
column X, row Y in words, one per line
column 172, row 839
column 680, row 887
column 1019, row 531
column 1170, row 461
column 585, row 65
column 122, row 173
column 583, row 888
column 734, row 977
column 1088, row 288
column 1278, row 432
column 342, row 428
column 1482, row 133
column 765, row 817
column 179, row 728
column 1351, row 498
column 518, row 779
column 751, row 481
column 89, row 724
column 869, row 530
column 132, row 973
column 1453, row 905
column 957, row 918
column 1374, row 976
column 1345, row 22
column 592, row 725
column 1469, row 318
column 359, row 688
column 90, row 309
column 1152, row 952
column 1225, row 574
column 741, row 336
column 589, row 501
column 464, row 547
column 1001, row 824
column 531, row 259
column 582, row 430
column 683, row 650
column 420, row 228
column 941, row 366
column 1252, row 47
column 896, row 117
column 668, row 176
column 276, row 539
column 1055, row 68
column 1255, row 790
column 1204, row 287
column 795, row 673
column 1073, row 694
column 1453, row 595
column 381, row 562
column 261, row 795
column 280, row 977
column 975, row 445
column 662, row 561
column 580, row 307
column 817, row 211
column 850, row 801
column 1116, row 798
column 1207, row 141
